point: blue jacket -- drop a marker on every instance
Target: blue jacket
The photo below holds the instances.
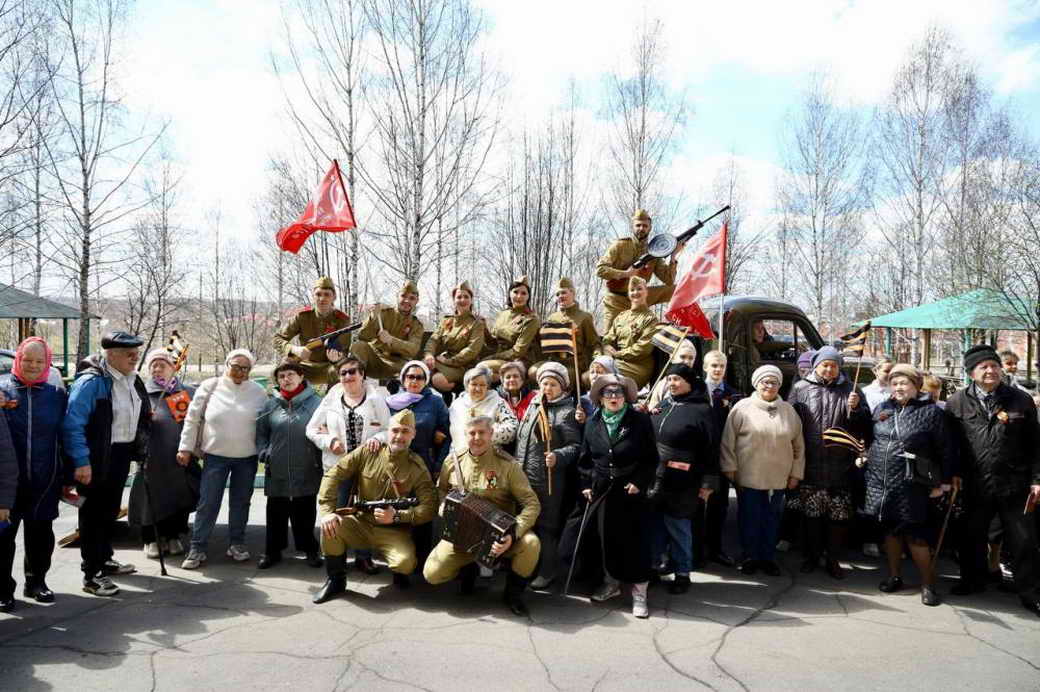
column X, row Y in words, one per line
column 35, row 425
column 87, row 428
column 431, row 416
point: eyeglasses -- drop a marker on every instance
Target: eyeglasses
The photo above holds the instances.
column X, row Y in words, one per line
column 239, row 368
column 769, row 383
column 413, row 376
column 348, row 371
column 613, row 392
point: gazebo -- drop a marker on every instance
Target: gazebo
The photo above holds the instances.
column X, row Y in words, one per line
column 25, row 307
column 978, row 309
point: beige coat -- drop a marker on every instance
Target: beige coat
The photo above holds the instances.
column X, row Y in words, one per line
column 762, row 443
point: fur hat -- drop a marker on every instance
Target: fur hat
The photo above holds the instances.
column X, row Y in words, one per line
column 978, row 354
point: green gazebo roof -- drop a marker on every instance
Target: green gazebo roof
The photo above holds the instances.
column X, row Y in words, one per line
column 979, row 309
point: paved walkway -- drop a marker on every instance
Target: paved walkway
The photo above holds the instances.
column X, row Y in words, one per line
column 230, row 626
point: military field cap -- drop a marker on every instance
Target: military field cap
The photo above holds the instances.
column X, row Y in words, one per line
column 324, row 282
column 120, row 340
column 464, row 286
column 520, row 281
column 636, row 281
column 564, row 282
column 404, row 417
column 641, row 215
column 410, row 287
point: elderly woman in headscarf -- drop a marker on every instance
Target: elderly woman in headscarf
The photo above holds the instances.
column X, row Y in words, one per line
column 763, row 453
column 616, row 467
column 221, row 428
column 33, row 410
column 515, row 392
column 477, row 401
column 162, row 506
column 548, row 443
column 514, row 333
column 827, row 399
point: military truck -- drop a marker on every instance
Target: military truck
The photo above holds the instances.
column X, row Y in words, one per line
column 757, row 331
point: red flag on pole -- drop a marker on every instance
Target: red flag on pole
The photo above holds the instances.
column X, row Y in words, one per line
column 706, row 277
column 328, row 210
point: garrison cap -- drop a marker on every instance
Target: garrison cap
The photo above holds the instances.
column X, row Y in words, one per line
column 410, row 287
column 641, row 215
column 464, row 286
column 404, row 417
column 324, row 282
column 120, row 340
column 636, row 281
column 564, row 282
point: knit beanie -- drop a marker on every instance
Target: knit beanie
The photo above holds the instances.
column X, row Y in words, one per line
column 682, row 370
column 245, row 352
column 805, row 359
column 977, row 354
column 765, row 371
column 909, row 372
column 556, row 371
column 828, row 353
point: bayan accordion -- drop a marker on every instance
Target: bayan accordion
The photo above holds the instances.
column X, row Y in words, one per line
column 474, row 524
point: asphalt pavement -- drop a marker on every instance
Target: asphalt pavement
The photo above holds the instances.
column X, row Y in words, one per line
column 231, row 626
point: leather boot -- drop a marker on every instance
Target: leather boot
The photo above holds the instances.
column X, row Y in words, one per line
column 513, row 596
column 336, row 583
column 468, row 579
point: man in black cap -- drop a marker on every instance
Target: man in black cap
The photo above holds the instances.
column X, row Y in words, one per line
column 106, row 426
column 999, row 471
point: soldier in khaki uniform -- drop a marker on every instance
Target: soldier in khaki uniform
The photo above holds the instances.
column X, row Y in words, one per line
column 514, row 334
column 394, row 471
column 308, row 323
column 616, row 268
column 456, row 344
column 390, row 337
column 497, row 477
column 629, row 340
column 586, row 339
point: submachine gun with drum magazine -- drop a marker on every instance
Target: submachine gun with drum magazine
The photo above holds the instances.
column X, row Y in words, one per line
column 659, row 247
column 397, row 504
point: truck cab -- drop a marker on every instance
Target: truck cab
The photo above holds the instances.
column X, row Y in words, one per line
column 758, row 331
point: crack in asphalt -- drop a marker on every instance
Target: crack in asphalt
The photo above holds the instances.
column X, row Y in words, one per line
column 664, row 656
column 964, row 626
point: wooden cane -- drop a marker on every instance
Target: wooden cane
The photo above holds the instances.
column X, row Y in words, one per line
column 547, row 438
column 577, row 372
column 942, row 533
column 671, row 357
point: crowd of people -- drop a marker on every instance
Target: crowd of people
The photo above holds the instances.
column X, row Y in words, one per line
column 621, row 488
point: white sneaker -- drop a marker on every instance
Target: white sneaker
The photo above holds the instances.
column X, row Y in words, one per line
column 151, row 550
column 238, row 553
column 639, row 607
column 193, row 559
column 175, row 547
column 871, row 550
column 486, row 573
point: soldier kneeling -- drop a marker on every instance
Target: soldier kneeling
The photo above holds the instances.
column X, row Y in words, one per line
column 393, row 472
column 495, row 476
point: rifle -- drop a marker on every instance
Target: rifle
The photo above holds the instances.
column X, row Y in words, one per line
column 372, row 505
column 328, row 340
column 663, row 244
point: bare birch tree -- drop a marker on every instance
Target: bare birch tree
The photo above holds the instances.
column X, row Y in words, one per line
column 742, row 244
column 435, row 119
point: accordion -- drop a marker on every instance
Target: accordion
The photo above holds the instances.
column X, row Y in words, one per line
column 474, row 524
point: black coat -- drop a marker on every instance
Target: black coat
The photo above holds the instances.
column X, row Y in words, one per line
column 998, row 452
column 822, row 406
column 688, row 437
column 606, row 467
column 530, row 453
column 919, row 428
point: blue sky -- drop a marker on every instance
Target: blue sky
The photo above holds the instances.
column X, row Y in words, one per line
column 203, row 64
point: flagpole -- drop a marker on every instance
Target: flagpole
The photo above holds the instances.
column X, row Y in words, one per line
column 671, row 357
column 722, row 320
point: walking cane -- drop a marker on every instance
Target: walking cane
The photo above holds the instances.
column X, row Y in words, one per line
column 151, row 512
column 581, row 532
column 942, row 533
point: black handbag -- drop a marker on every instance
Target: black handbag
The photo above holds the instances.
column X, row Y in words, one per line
column 922, row 470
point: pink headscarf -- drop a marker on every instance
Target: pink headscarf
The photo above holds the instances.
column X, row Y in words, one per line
column 20, row 354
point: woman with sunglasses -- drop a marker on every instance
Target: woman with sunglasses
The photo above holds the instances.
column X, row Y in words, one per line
column 350, row 414
column 221, row 425
column 616, row 466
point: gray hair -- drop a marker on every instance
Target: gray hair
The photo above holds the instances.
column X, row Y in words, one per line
column 485, row 421
column 478, row 371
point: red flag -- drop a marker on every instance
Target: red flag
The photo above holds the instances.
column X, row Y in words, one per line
column 328, row 210
column 706, row 277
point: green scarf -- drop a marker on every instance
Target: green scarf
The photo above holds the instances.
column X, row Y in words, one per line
column 613, row 420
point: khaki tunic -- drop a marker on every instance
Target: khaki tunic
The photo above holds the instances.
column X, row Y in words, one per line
column 621, row 255
column 307, row 324
column 456, row 344
column 386, row 360
column 586, row 339
column 373, row 472
column 498, row 478
column 513, row 336
column 631, row 336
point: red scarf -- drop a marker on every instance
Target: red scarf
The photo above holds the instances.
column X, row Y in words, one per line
column 288, row 396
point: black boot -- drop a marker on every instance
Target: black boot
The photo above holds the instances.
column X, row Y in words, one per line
column 681, row 584
column 513, row 596
column 468, row 579
column 39, row 591
column 336, row 583
column 402, row 581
